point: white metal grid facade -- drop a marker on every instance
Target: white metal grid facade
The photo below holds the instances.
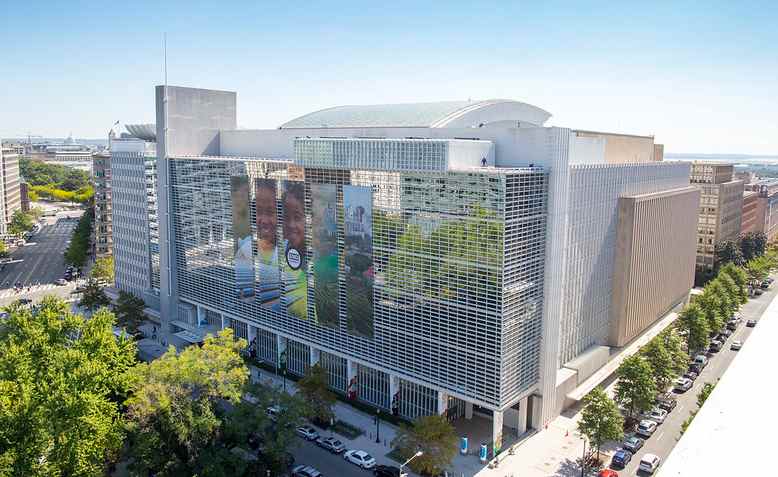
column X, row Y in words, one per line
column 439, row 239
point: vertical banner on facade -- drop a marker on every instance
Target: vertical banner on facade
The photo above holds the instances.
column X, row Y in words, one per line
column 358, row 212
column 324, row 230
column 269, row 283
column 243, row 257
column 295, row 279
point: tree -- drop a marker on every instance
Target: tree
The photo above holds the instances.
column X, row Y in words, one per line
column 600, row 419
column 728, row 251
column 661, row 361
column 20, row 223
column 635, row 388
column 78, row 249
column 740, row 278
column 692, row 321
column 93, row 297
column 186, row 416
column 62, row 381
column 711, row 307
column 674, row 345
column 435, row 437
column 314, row 388
column 752, row 245
column 129, row 311
column 103, row 269
column 4, row 250
column 757, row 270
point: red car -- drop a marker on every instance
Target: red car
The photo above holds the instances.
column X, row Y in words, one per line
column 608, row 473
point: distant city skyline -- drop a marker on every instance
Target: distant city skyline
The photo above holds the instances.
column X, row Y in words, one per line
column 701, row 80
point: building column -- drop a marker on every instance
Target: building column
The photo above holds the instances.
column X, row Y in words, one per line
column 281, row 349
column 200, row 316
column 497, row 417
column 252, row 338
column 442, row 402
column 468, row 410
column 537, row 406
column 351, row 379
column 315, row 356
column 522, row 428
column 224, row 320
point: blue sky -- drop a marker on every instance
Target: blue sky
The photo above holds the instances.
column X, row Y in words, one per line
column 700, row 78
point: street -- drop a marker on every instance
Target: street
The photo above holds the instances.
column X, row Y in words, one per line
column 665, row 437
column 329, row 464
column 39, row 263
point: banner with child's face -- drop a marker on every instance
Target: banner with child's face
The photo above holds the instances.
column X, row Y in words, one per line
column 294, row 266
column 358, row 254
column 243, row 255
column 268, row 286
column 324, row 246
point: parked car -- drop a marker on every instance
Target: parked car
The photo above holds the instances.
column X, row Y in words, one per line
column 666, row 403
column 656, row 414
column 646, row 428
column 701, row 360
column 751, row 323
column 736, row 345
column 308, row 433
column 633, row 444
column 691, row 375
column 386, row 471
column 360, row 458
column 726, row 333
column 331, row 444
column 649, row 463
column 621, row 458
column 682, row 385
column 306, row 471
column 715, row 346
column 732, row 325
column 607, row 473
column 273, row 412
column 757, row 292
column 765, row 285
column 695, row 368
column 61, row 282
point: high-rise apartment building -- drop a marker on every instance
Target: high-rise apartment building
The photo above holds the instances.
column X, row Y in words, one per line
column 721, row 209
column 753, row 213
column 103, row 228
column 135, row 228
column 434, row 258
column 767, row 209
column 10, row 196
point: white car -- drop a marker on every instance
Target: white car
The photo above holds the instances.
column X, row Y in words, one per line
column 360, row 458
column 649, row 463
column 736, row 345
column 61, row 282
column 657, row 415
column 308, row 433
column 646, row 428
column 683, row 384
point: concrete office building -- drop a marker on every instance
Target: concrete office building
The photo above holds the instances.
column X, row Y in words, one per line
column 753, row 213
column 135, row 228
column 767, row 208
column 721, row 209
column 10, row 195
column 450, row 257
column 101, row 178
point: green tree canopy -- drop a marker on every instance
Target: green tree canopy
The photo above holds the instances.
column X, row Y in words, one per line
column 702, row 396
column 663, row 368
column 435, row 437
column 635, row 388
column 752, row 245
column 728, row 251
column 3, row 250
column 129, row 311
column 314, row 388
column 103, row 269
column 39, row 173
column 78, row 250
column 600, row 419
column 21, row 222
column 173, row 413
column 62, row 379
column 695, row 325
column 93, row 297
column 674, row 345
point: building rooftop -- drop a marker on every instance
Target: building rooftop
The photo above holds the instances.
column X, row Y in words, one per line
column 737, row 418
column 444, row 114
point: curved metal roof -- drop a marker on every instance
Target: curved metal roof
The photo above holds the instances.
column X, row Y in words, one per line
column 421, row 115
column 147, row 132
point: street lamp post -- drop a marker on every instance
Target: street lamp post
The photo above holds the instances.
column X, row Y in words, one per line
column 283, row 367
column 377, row 425
column 406, row 462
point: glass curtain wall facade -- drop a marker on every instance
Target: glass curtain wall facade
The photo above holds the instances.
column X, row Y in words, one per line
column 456, row 263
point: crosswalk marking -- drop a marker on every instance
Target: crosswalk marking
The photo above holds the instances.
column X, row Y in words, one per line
column 9, row 292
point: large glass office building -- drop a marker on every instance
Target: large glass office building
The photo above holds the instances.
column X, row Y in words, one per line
column 418, row 252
